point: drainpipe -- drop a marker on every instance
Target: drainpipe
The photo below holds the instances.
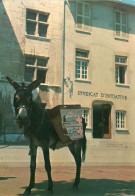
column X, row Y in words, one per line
column 63, row 79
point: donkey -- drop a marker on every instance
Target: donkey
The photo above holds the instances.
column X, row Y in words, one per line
column 39, row 131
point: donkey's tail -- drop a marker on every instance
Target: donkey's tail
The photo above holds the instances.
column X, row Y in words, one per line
column 84, row 141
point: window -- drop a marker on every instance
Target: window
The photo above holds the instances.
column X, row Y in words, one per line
column 83, row 16
column 35, row 67
column 82, row 61
column 120, row 120
column 121, row 24
column 36, row 23
column 120, row 70
column 85, row 114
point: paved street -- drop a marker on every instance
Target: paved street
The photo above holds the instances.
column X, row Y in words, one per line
column 95, row 181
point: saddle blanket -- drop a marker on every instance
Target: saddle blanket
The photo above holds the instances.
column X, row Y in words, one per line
column 67, row 120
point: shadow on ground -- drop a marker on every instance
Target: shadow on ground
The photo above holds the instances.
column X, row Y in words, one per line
column 6, row 178
column 95, row 187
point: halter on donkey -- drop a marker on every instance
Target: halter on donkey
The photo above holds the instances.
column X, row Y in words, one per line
column 39, row 131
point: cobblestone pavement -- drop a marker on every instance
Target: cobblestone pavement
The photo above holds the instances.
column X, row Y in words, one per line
column 95, row 181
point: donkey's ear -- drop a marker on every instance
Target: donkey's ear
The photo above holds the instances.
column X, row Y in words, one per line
column 34, row 84
column 13, row 83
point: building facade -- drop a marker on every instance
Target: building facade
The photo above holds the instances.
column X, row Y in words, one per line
column 31, row 47
column 86, row 52
column 100, row 66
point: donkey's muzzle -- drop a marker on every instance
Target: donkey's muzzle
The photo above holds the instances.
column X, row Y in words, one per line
column 22, row 113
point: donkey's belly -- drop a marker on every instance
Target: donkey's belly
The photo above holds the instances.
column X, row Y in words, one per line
column 62, row 144
column 53, row 144
column 58, row 144
column 33, row 140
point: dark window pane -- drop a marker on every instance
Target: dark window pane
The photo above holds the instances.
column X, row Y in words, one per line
column 29, row 74
column 31, row 28
column 117, row 17
column 86, row 21
column 118, row 30
column 82, row 54
column 31, row 15
column 116, row 74
column 79, row 8
column 30, row 60
column 86, row 10
column 124, row 31
column 123, row 59
column 122, row 71
column 41, row 74
column 43, row 17
column 79, row 22
column 41, row 62
column 124, row 18
column 117, row 59
column 42, row 30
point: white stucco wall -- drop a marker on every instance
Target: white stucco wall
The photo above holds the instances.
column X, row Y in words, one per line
column 103, row 47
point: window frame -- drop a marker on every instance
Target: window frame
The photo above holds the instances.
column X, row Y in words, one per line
column 37, row 22
column 82, row 60
column 121, row 25
column 35, row 66
column 83, row 17
column 86, row 117
column 119, row 65
column 121, row 120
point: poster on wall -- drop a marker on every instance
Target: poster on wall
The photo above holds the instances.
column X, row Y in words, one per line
column 72, row 121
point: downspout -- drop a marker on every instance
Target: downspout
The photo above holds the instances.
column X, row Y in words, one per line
column 63, row 73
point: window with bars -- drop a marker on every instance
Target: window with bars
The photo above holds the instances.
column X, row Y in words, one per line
column 120, row 70
column 35, row 67
column 85, row 114
column 36, row 23
column 82, row 61
column 83, row 16
column 120, row 119
column 121, row 24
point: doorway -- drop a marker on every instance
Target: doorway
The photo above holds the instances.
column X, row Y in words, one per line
column 101, row 120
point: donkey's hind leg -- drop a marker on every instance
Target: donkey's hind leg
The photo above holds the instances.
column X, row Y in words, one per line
column 33, row 154
column 48, row 167
column 75, row 149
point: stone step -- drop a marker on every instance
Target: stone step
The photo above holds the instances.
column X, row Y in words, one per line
column 97, row 154
column 110, row 144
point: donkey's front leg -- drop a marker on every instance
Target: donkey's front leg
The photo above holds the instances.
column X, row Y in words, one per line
column 33, row 154
column 48, row 167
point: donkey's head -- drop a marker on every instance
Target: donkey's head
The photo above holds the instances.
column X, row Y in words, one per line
column 23, row 98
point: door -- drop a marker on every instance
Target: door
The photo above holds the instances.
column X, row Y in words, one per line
column 101, row 121
column 106, row 120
